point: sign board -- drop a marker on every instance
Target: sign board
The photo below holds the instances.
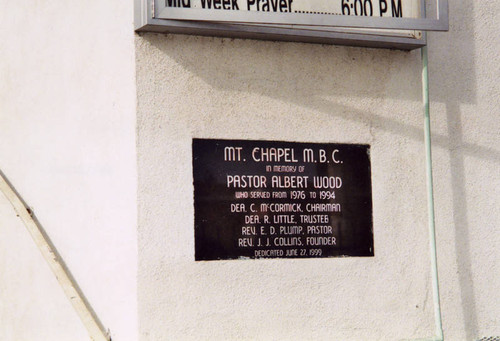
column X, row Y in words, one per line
column 269, row 199
column 376, row 23
column 304, row 12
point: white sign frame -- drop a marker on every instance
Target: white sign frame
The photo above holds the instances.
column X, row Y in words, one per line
column 314, row 28
column 306, row 19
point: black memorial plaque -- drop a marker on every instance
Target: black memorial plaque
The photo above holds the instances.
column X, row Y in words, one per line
column 270, row 199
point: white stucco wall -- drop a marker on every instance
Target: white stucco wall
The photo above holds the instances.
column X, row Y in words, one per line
column 240, row 89
column 464, row 77
column 69, row 86
column 67, row 143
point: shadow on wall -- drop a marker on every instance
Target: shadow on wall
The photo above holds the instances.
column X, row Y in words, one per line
column 312, row 76
column 302, row 74
column 309, row 75
column 453, row 82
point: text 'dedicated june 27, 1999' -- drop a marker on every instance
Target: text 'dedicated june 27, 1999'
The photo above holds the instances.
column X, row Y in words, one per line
column 272, row 199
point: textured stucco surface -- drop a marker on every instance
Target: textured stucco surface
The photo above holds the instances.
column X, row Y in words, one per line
column 67, row 143
column 465, row 68
column 240, row 89
column 69, row 87
column 203, row 87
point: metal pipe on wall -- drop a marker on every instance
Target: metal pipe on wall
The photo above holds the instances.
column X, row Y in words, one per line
column 430, row 195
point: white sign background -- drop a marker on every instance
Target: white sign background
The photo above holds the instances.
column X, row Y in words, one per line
column 318, row 13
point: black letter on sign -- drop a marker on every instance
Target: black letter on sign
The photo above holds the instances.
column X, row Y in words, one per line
column 383, row 7
column 397, row 10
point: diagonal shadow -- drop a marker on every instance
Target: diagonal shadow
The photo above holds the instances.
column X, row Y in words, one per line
column 461, row 223
column 314, row 75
